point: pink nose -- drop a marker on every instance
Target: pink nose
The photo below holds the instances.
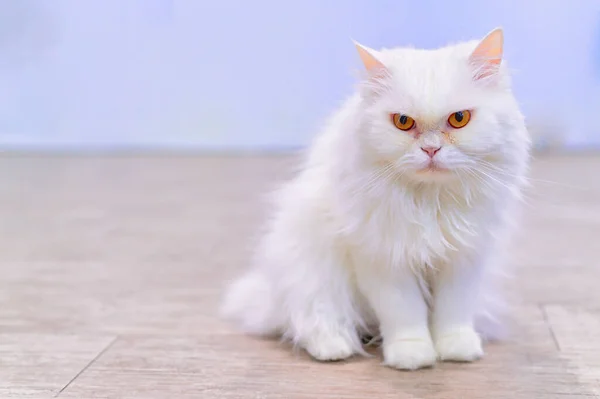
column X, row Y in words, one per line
column 431, row 151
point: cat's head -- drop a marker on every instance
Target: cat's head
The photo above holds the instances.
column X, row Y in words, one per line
column 439, row 114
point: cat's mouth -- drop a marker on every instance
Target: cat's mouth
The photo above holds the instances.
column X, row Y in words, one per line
column 433, row 168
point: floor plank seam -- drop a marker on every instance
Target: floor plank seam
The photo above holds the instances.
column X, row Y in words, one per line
column 550, row 329
column 102, row 352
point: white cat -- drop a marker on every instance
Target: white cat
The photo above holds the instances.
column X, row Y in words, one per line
column 395, row 219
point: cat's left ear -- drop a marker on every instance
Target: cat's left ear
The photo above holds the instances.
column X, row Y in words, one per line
column 487, row 56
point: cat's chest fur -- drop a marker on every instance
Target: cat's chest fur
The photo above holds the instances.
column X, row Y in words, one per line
column 419, row 227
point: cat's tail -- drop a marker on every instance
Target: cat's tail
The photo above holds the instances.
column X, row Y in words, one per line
column 491, row 321
column 493, row 316
column 250, row 302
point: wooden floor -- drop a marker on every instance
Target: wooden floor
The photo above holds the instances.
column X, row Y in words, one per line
column 111, row 269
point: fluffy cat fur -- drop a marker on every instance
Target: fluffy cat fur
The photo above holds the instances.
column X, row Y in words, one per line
column 375, row 236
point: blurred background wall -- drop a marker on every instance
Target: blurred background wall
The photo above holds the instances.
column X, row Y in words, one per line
column 262, row 74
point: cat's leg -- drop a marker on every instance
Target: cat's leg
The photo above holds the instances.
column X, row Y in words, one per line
column 329, row 342
column 455, row 291
column 397, row 300
column 322, row 326
column 310, row 304
column 319, row 297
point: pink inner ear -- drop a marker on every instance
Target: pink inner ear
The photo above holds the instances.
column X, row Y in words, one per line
column 370, row 62
column 488, row 55
column 492, row 56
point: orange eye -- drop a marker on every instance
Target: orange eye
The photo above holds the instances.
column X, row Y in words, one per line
column 403, row 122
column 459, row 119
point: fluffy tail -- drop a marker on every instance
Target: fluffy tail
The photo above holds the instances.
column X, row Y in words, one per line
column 250, row 302
column 494, row 310
column 491, row 321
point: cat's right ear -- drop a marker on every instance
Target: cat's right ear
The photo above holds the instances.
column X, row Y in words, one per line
column 369, row 58
column 377, row 73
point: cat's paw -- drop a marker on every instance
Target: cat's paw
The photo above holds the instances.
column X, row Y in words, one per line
column 409, row 353
column 329, row 347
column 459, row 345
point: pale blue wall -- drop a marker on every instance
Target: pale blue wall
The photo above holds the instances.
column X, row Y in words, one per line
column 259, row 74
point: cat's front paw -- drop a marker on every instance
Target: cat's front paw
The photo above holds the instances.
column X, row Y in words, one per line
column 459, row 345
column 329, row 347
column 410, row 353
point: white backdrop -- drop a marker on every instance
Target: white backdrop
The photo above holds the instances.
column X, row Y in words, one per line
column 260, row 74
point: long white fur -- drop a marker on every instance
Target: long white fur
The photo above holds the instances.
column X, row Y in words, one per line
column 361, row 242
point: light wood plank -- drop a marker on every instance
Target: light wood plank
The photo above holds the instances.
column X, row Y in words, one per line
column 577, row 331
column 227, row 366
column 140, row 247
column 40, row 365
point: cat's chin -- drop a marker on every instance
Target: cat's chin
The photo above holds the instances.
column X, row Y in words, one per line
column 433, row 169
column 434, row 174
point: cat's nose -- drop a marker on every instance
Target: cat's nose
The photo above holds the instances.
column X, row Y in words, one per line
column 431, row 151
